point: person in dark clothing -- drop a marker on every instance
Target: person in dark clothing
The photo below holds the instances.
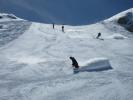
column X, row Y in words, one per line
column 63, row 28
column 98, row 35
column 53, row 25
column 74, row 63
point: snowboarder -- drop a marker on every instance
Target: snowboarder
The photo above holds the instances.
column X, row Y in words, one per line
column 63, row 28
column 53, row 25
column 98, row 35
column 74, row 65
column 74, row 62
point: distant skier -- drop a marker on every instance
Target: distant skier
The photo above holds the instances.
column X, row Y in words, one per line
column 74, row 65
column 98, row 35
column 63, row 28
column 53, row 25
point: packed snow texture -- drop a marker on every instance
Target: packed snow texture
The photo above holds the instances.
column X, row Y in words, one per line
column 35, row 64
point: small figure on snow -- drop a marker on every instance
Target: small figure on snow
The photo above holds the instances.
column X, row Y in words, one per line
column 53, row 25
column 74, row 62
column 63, row 28
column 98, row 35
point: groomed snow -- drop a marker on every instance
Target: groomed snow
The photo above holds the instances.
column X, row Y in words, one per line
column 35, row 64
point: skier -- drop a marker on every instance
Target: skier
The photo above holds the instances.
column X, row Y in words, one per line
column 74, row 65
column 63, row 28
column 98, row 35
column 53, row 25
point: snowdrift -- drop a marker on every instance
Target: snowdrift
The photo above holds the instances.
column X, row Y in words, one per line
column 96, row 64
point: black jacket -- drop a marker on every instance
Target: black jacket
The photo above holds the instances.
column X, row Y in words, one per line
column 74, row 62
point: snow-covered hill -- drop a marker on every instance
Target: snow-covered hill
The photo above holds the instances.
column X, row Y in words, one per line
column 70, row 12
column 35, row 64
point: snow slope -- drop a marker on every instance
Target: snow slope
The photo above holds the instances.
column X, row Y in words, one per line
column 36, row 66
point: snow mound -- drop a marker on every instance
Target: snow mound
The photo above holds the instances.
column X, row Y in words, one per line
column 96, row 64
column 117, row 36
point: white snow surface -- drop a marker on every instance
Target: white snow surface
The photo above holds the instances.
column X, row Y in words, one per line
column 36, row 65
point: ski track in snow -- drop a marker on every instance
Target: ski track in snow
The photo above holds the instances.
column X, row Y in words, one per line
column 35, row 64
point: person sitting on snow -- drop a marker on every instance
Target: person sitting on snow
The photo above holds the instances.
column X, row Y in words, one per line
column 74, row 63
